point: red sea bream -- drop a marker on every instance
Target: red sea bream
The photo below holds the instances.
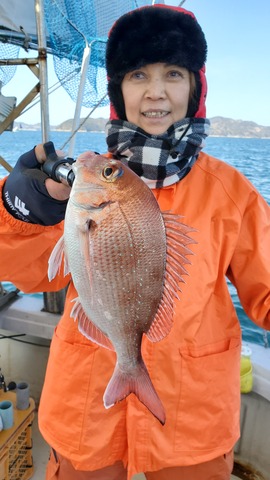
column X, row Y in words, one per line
column 126, row 259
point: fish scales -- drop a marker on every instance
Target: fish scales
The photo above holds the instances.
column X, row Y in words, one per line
column 115, row 246
column 127, row 267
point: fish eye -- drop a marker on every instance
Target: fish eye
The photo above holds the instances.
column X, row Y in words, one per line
column 107, row 172
column 111, row 171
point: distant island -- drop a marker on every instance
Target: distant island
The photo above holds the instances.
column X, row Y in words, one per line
column 220, row 127
column 227, row 127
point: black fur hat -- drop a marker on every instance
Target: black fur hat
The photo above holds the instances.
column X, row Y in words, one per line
column 148, row 35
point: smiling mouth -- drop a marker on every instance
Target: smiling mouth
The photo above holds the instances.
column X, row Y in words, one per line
column 155, row 114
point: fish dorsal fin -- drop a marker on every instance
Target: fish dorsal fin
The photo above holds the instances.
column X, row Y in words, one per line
column 177, row 238
column 87, row 327
column 55, row 260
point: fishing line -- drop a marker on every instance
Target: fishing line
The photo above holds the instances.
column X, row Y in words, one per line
column 84, row 120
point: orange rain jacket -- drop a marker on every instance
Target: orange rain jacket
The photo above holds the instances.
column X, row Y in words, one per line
column 195, row 370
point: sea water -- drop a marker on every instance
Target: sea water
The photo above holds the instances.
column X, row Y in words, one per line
column 249, row 155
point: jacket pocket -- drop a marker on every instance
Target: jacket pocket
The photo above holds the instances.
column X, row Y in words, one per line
column 209, row 401
column 65, row 391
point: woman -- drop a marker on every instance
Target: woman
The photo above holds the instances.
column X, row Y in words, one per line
column 157, row 88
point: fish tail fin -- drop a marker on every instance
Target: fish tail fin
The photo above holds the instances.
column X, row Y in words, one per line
column 122, row 384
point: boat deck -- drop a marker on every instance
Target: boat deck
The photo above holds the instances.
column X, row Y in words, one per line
column 40, row 453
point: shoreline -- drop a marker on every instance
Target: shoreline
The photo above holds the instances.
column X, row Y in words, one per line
column 102, row 131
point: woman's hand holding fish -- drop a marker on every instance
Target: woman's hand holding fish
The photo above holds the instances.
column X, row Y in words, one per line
column 56, row 190
column 30, row 195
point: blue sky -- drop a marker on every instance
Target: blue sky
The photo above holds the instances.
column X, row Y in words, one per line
column 238, row 65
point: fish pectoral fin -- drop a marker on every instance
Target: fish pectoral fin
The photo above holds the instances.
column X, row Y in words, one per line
column 55, row 260
column 88, row 328
column 138, row 382
column 177, row 237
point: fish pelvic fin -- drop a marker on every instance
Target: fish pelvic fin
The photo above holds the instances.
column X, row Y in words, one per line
column 178, row 239
column 88, row 328
column 138, row 382
column 55, row 260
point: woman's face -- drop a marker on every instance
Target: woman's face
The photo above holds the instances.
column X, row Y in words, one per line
column 156, row 96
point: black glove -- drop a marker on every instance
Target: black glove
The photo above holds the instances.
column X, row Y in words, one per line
column 25, row 195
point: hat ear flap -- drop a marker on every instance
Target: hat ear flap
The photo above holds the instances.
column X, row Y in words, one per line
column 201, row 111
column 117, row 101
